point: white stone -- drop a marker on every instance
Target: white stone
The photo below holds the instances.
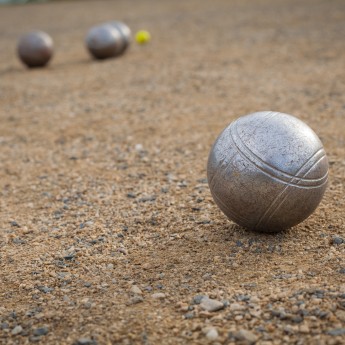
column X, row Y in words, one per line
column 17, row 330
column 136, row 290
column 211, row 304
column 158, row 295
column 212, row 334
column 236, row 306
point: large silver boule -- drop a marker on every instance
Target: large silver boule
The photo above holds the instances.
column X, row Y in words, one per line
column 35, row 49
column 267, row 171
column 104, row 41
column 125, row 31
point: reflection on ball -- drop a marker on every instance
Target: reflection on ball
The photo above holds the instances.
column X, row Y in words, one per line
column 35, row 49
column 267, row 171
column 142, row 37
column 125, row 32
column 104, row 41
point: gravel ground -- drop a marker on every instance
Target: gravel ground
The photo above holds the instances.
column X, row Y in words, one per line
column 109, row 234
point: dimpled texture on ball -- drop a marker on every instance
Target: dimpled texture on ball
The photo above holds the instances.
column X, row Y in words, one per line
column 267, row 171
column 104, row 41
column 125, row 32
column 35, row 49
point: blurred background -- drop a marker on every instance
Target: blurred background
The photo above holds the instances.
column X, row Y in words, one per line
column 2, row 2
column 16, row 1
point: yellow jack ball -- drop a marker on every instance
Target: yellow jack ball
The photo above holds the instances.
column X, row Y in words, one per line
column 142, row 37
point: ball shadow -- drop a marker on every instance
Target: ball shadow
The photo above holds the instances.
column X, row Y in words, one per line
column 234, row 232
column 12, row 70
column 83, row 61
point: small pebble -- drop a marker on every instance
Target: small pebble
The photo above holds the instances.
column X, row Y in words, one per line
column 136, row 290
column 197, row 299
column 45, row 289
column 211, row 304
column 158, row 295
column 189, row 315
column 212, row 334
column 135, row 300
column 85, row 341
column 247, row 336
column 236, row 306
column 337, row 240
column 17, row 330
column 340, row 314
column 4, row 325
column 207, row 276
column 243, row 298
column 254, row 299
column 239, row 243
column 41, row 331
column 336, row 331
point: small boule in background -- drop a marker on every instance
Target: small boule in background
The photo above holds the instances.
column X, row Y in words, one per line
column 125, row 31
column 35, row 49
column 105, row 41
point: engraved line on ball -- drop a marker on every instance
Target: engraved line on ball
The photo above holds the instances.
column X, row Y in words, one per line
column 299, row 180
column 245, row 149
column 287, row 191
column 272, row 171
column 319, row 152
column 234, row 216
column 267, row 114
column 270, row 211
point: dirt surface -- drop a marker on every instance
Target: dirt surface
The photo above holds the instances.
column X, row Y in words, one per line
column 109, row 234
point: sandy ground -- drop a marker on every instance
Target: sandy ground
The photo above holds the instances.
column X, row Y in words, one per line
column 108, row 232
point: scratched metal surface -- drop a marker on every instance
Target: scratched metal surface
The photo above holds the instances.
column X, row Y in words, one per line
column 267, row 171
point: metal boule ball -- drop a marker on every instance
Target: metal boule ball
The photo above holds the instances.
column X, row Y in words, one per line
column 267, row 171
column 35, row 49
column 125, row 31
column 104, row 41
